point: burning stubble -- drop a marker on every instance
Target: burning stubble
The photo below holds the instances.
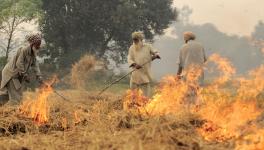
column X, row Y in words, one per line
column 38, row 109
column 224, row 110
column 228, row 105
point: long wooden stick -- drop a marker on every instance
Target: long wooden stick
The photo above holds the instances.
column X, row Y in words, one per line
column 57, row 93
column 63, row 97
column 118, row 80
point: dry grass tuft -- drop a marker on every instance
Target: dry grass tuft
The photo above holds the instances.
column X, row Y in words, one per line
column 81, row 71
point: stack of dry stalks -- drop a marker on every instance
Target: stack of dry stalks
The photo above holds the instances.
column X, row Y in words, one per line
column 81, row 71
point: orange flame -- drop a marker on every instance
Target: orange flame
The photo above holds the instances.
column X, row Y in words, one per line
column 225, row 68
column 225, row 120
column 169, row 99
column 226, row 105
column 134, row 98
column 38, row 109
column 231, row 110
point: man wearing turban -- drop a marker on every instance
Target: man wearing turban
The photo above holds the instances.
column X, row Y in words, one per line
column 15, row 72
column 140, row 53
column 191, row 59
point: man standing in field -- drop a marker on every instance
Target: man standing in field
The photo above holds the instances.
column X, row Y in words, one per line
column 191, row 60
column 140, row 53
column 15, row 72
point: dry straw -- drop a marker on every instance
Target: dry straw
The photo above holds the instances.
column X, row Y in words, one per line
column 81, row 71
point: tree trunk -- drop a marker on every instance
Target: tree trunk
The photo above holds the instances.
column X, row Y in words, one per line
column 10, row 36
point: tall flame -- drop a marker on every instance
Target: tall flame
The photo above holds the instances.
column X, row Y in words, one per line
column 170, row 97
column 38, row 109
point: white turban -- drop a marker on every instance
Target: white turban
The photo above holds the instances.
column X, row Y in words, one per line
column 138, row 35
column 189, row 36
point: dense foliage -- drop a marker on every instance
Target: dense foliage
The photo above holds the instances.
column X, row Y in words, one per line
column 103, row 28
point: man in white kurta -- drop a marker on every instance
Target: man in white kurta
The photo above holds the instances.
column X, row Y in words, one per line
column 140, row 53
column 192, row 58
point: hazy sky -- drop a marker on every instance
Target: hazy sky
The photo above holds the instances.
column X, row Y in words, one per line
column 231, row 16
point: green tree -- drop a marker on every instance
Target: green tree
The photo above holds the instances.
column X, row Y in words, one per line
column 104, row 27
column 12, row 14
